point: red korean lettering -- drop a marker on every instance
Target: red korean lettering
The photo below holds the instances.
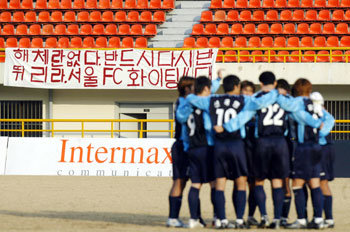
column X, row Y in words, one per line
column 91, row 57
column 170, row 78
column 57, row 75
column 21, row 54
column 204, row 58
column 18, row 70
column 125, row 58
column 90, row 80
column 40, row 76
column 111, row 73
column 133, row 76
column 74, row 58
column 42, row 55
column 111, row 58
column 57, row 58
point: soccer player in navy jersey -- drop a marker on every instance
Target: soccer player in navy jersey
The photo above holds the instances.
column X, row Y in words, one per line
column 328, row 156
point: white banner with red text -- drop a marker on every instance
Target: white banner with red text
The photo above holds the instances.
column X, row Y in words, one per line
column 105, row 69
column 86, row 157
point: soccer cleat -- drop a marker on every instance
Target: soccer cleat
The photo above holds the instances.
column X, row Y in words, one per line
column 223, row 224
column 328, row 223
column 252, row 221
column 298, row 224
column 174, row 222
column 264, row 222
column 315, row 225
column 194, row 223
column 275, row 224
column 202, row 222
column 284, row 222
column 240, row 225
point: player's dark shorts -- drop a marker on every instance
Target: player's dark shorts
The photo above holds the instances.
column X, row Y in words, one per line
column 327, row 162
column 180, row 161
column 249, row 150
column 271, row 158
column 201, row 164
column 292, row 145
column 230, row 159
column 307, row 161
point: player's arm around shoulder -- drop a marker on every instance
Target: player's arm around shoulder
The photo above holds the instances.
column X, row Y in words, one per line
column 305, row 118
column 202, row 103
column 183, row 110
column 258, row 101
column 328, row 123
column 239, row 121
column 290, row 104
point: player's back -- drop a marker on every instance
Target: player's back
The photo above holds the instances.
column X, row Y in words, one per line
column 310, row 134
column 196, row 129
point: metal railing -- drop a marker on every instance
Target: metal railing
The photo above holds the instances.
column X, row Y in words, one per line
column 83, row 122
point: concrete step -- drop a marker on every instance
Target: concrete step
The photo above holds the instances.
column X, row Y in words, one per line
column 194, row 4
column 187, row 11
column 182, row 18
column 167, row 38
column 168, row 44
column 176, row 31
column 177, row 24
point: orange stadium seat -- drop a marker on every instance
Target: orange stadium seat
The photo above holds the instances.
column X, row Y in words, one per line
column 14, row 4
column 69, row 16
column 83, row 16
column 245, row 15
column 320, row 4
column 136, row 29
column 79, row 4
column 263, row 28
column 281, row 3
column 220, row 15
column 322, row 56
column 256, row 56
column 117, row 4
column 155, row 4
column 51, row 42
column 237, row 29
column 311, row 15
column 328, row 28
column 86, row 29
column 27, row 4
column 254, row 4
column 232, row 15
column 73, row 29
column 3, row 4
column 268, row 4
column 347, row 15
column 276, row 28
column 286, row 15
column 30, row 16
column 279, row 42
column 227, row 42
column 95, row 16
column 88, row 42
column 8, row 29
column 35, row 29
column 267, row 42
column 342, row 28
column 254, row 42
column 345, row 41
column 66, row 4
column 76, row 42
column 309, row 56
column 98, row 29
column 114, row 42
column 91, row 4
column 306, row 3
column 22, row 29
column 150, row 29
column 293, row 42
column 18, row 16
column 202, row 42
column 289, row 28
column 107, row 16
column 258, row 15
column 338, row 15
column 189, row 42
column 249, row 28
column 44, row 16
column 303, row 28
column 306, row 42
column 54, row 4
column 293, row 4
column 120, row 16
column 56, row 16
column 104, row 4
column 241, row 4
column 47, row 29
column 141, row 42
column 241, row 42
column 142, row 4
column 210, row 29
column 37, row 43
column 320, row 41
column 332, row 41
column 316, row 28
column 272, row 15
column 24, row 43
column 159, row 16
column 11, row 42
column 216, row 4
column 223, row 29
column 63, row 42
column 168, row 4
column 198, row 29
column 345, row 3
column 229, row 4
column 219, row 57
column 298, row 15
column 206, row 16
column 214, row 42
column 124, row 29
column 60, row 29
column 244, row 56
column 111, row 29
column 133, row 16
column 230, row 56
column 146, row 16
column 101, row 42
column 333, row 3
column 5, row 16
column 324, row 15
column 41, row 4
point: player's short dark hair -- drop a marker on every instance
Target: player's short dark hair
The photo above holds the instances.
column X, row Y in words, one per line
column 283, row 84
column 184, row 83
column 301, row 87
column 230, row 82
column 267, row 78
column 245, row 84
column 200, row 83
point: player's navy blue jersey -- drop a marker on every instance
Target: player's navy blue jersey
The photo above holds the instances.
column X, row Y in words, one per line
column 196, row 130
column 271, row 120
column 177, row 123
column 250, row 129
column 223, row 108
column 311, row 134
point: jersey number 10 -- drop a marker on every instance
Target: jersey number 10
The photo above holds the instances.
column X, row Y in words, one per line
column 224, row 116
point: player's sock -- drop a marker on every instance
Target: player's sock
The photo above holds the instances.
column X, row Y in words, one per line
column 278, row 197
column 193, row 201
column 174, row 206
column 286, row 206
column 212, row 198
column 199, row 208
column 260, row 198
column 239, row 201
column 220, row 204
column 328, row 205
column 306, row 194
column 317, row 201
column 299, row 196
column 251, row 203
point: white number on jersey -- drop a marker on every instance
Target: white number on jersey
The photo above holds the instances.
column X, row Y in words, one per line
column 269, row 119
column 225, row 116
column 191, row 124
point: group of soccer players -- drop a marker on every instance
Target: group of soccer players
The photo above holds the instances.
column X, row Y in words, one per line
column 249, row 137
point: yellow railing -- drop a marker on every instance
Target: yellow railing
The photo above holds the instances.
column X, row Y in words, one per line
column 269, row 54
column 111, row 130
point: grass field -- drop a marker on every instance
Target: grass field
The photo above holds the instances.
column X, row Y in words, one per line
column 39, row 203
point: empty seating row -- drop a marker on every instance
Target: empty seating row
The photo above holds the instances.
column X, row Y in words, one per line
column 75, row 42
column 276, row 29
column 83, row 16
column 229, row 4
column 255, row 42
column 85, row 29
column 273, row 15
column 89, row 4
